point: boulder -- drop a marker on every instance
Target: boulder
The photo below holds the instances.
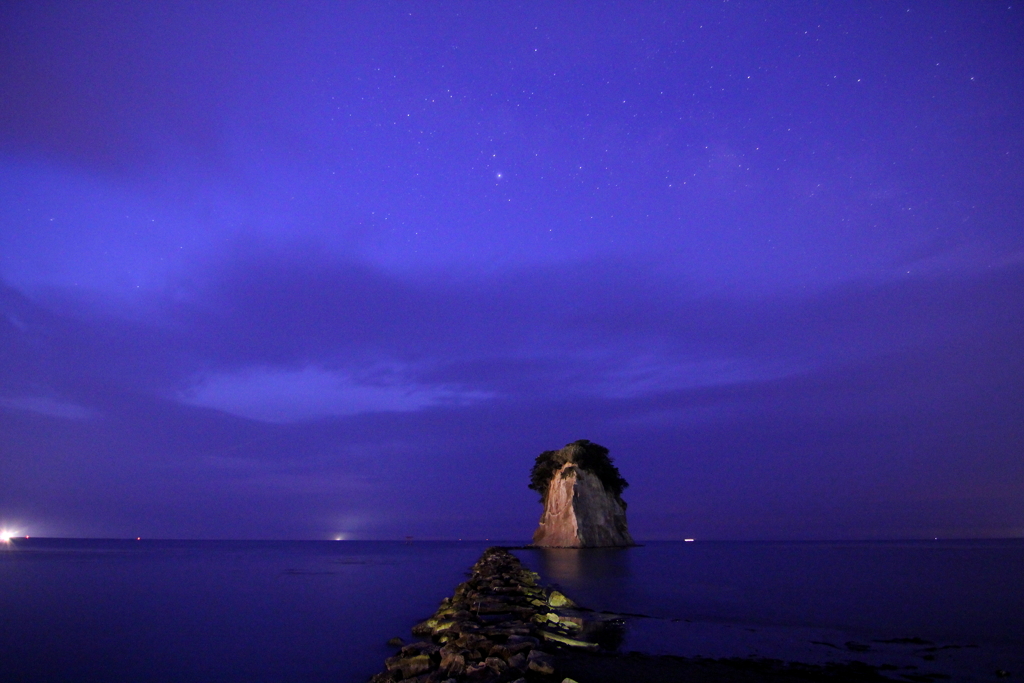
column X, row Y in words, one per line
column 453, row 664
column 541, row 662
column 517, row 662
column 556, row 599
column 409, row 666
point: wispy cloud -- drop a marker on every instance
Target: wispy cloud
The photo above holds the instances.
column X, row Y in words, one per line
column 46, row 405
column 287, row 395
column 646, row 375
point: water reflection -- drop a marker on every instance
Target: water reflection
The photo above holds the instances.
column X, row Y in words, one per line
column 579, row 566
column 584, row 574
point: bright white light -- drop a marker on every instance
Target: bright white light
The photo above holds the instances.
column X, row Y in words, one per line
column 6, row 536
column 688, row 540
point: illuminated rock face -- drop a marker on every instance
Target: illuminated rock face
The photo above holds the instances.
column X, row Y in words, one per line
column 580, row 513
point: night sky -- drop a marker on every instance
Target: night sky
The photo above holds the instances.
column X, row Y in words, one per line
column 321, row 270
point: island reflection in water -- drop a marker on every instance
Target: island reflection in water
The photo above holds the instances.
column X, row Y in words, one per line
column 573, row 568
column 949, row 608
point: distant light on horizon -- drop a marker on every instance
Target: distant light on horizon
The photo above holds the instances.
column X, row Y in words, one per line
column 6, row 535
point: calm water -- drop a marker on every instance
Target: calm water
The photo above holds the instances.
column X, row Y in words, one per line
column 119, row 611
column 806, row 601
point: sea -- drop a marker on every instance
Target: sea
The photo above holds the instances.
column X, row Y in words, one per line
column 141, row 611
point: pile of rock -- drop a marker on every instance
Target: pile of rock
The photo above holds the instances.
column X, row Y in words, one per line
column 492, row 630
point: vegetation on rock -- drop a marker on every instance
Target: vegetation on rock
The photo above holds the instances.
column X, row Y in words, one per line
column 584, row 454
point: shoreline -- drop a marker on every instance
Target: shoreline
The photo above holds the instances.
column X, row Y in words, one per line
column 502, row 625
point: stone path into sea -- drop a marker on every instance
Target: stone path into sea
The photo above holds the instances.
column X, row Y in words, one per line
column 501, row 626
column 494, row 629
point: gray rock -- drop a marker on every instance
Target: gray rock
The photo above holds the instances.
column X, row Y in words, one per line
column 418, row 648
column 517, row 662
column 516, row 639
column 478, row 670
column 556, row 599
column 409, row 666
column 496, row 664
column 518, row 644
column 424, row 628
column 453, row 664
column 540, row 662
column 499, row 651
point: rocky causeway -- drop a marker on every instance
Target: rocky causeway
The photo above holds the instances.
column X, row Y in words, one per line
column 493, row 628
column 503, row 626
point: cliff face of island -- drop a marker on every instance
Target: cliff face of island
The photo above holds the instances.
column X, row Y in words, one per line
column 581, row 491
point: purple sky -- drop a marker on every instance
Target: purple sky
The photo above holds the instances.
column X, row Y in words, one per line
column 308, row 270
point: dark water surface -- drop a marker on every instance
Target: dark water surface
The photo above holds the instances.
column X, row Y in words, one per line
column 147, row 611
column 169, row 611
column 876, row 602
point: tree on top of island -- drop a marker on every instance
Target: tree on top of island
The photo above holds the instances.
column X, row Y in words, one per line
column 588, row 456
column 581, row 490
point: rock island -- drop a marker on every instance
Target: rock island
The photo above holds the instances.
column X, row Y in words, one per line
column 582, row 494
